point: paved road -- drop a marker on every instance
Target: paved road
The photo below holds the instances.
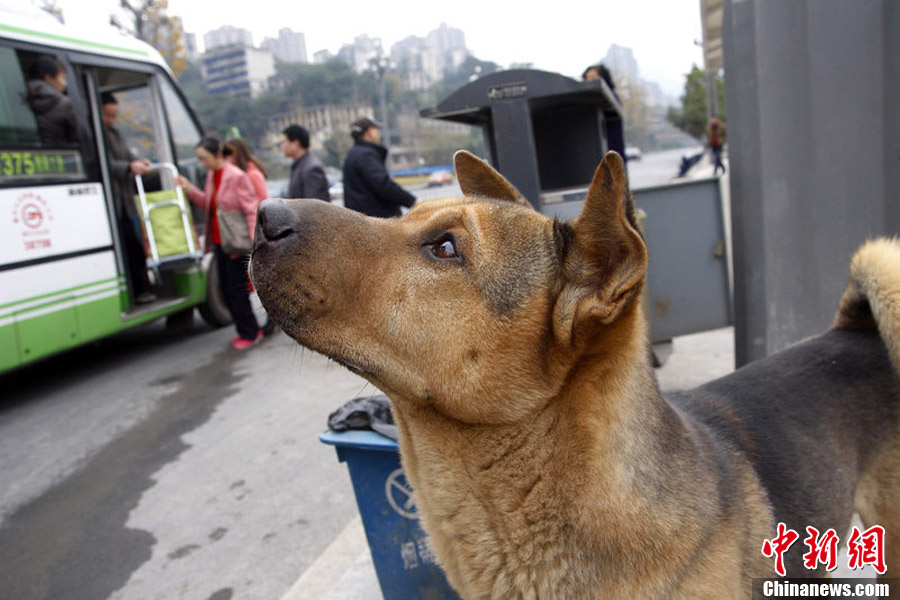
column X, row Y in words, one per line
column 157, row 466
column 654, row 168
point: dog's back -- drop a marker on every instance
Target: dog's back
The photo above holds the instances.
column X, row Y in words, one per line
column 824, row 445
column 813, row 434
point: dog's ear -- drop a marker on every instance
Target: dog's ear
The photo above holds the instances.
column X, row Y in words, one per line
column 477, row 178
column 606, row 259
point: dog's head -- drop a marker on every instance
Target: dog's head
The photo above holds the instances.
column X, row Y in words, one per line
column 478, row 306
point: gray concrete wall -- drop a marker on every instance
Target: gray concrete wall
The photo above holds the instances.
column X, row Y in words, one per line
column 813, row 103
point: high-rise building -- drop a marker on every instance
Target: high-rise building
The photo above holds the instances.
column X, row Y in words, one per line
column 227, row 36
column 289, row 46
column 361, row 52
column 423, row 61
column 190, row 46
column 446, row 42
column 621, row 62
column 237, row 70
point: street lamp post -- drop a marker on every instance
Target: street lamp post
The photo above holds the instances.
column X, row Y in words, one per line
column 380, row 65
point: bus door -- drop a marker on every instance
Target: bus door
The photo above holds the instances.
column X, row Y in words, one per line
column 150, row 217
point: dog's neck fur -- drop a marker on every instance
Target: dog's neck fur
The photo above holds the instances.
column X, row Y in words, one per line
column 484, row 485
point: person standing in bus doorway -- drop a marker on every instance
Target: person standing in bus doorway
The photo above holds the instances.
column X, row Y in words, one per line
column 123, row 166
column 231, row 189
column 52, row 108
column 368, row 187
column 308, row 178
column 715, row 139
column 238, row 153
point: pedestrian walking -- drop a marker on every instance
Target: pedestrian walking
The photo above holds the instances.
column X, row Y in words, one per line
column 715, row 139
column 368, row 187
column 238, row 153
column 308, row 179
column 228, row 188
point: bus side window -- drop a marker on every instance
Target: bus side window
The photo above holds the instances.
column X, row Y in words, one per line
column 47, row 83
column 17, row 122
column 39, row 126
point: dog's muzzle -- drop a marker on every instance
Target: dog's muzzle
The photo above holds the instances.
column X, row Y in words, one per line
column 275, row 220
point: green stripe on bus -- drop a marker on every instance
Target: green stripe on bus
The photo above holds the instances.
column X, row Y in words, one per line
column 66, row 328
column 62, row 303
column 120, row 280
column 71, row 40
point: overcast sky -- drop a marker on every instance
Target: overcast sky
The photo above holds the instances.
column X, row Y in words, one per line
column 562, row 36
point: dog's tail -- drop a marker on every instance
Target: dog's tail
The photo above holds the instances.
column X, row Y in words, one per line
column 872, row 297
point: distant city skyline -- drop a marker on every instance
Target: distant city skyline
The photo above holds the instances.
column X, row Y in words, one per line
column 662, row 33
column 423, row 60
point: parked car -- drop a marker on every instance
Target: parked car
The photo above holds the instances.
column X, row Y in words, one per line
column 632, row 153
column 439, row 178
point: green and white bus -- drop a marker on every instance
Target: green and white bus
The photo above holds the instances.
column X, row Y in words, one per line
column 63, row 276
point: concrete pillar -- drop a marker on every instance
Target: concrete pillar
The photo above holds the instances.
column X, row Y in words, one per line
column 814, row 147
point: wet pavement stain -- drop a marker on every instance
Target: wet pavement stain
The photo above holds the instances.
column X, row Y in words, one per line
column 223, row 594
column 218, row 534
column 72, row 542
column 183, row 551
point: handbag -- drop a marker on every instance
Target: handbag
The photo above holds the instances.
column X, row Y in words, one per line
column 234, row 232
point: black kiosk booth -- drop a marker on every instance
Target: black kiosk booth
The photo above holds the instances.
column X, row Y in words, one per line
column 546, row 133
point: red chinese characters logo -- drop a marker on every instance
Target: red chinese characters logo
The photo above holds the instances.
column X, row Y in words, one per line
column 779, row 545
column 821, row 550
column 865, row 548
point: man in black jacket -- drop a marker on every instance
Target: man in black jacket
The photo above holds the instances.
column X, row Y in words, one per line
column 123, row 166
column 56, row 121
column 368, row 187
column 308, row 179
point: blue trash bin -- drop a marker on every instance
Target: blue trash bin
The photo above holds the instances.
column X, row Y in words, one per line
column 404, row 562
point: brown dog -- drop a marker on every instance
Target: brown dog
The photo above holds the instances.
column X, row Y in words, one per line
column 546, row 462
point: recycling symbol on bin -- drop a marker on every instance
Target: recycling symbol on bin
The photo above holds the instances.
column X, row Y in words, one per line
column 400, row 494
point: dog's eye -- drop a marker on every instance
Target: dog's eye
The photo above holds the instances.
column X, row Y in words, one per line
column 444, row 249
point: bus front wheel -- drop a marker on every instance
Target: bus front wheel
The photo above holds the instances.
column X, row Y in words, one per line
column 214, row 309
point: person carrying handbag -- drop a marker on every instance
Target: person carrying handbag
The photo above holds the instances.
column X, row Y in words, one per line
column 228, row 193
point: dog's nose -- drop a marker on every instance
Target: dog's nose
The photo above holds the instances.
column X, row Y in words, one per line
column 276, row 220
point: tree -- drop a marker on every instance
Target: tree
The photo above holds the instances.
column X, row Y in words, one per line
column 692, row 116
column 336, row 147
column 333, row 82
column 148, row 21
column 635, row 111
column 472, row 68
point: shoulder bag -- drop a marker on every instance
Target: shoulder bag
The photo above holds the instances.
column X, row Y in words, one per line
column 233, row 231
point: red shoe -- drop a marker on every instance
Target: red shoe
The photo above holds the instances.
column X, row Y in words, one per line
column 242, row 344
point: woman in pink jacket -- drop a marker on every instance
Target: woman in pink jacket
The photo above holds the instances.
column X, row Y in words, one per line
column 237, row 153
column 228, row 188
